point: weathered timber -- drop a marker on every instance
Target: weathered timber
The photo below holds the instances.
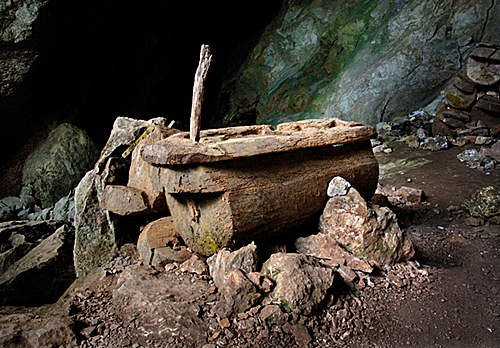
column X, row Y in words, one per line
column 489, row 104
column 248, row 183
column 460, row 92
column 238, row 142
column 483, row 64
column 199, row 91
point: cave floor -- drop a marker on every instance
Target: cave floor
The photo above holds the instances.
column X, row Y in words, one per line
column 458, row 304
column 447, row 296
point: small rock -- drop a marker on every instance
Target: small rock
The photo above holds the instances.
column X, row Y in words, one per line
column 194, row 265
column 301, row 281
column 272, row 314
column 435, row 144
column 224, row 323
column 236, row 295
column 220, row 264
column 301, row 334
column 472, row 222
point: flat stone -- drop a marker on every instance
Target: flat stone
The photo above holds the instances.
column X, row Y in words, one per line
column 194, row 265
column 123, row 200
column 164, row 255
column 324, row 246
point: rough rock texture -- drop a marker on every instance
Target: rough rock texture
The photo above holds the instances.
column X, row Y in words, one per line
column 96, row 238
column 123, row 200
column 59, row 163
column 485, row 204
column 159, row 234
column 324, row 247
column 17, row 238
column 31, row 281
column 34, row 331
column 245, row 258
column 161, row 304
column 301, row 281
column 144, row 176
column 366, row 61
column 17, row 18
column 236, row 295
column 368, row 231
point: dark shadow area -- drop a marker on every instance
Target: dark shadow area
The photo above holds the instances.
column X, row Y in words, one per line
column 98, row 60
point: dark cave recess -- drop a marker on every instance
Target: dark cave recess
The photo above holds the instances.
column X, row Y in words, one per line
column 102, row 59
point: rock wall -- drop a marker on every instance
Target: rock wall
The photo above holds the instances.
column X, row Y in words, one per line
column 367, row 61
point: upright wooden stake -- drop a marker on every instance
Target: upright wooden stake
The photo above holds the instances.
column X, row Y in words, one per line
column 198, row 92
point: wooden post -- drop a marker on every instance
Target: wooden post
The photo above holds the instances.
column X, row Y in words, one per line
column 198, row 92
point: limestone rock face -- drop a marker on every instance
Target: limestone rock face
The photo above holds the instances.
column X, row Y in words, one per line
column 96, row 238
column 17, row 18
column 59, row 163
column 367, row 231
column 366, row 61
column 301, row 281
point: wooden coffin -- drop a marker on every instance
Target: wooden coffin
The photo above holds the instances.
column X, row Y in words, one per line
column 241, row 184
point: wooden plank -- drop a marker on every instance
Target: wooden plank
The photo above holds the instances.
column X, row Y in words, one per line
column 198, row 92
column 230, row 144
column 483, row 66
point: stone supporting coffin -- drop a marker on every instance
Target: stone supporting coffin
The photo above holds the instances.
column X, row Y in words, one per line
column 241, row 184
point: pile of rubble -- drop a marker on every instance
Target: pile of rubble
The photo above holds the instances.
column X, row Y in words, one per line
column 470, row 111
column 467, row 113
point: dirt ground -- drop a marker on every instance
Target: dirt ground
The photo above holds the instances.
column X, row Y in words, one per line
column 458, row 306
column 447, row 296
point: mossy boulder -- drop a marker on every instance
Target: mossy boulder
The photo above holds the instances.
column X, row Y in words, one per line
column 484, row 204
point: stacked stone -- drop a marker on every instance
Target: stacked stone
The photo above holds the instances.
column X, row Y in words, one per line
column 471, row 107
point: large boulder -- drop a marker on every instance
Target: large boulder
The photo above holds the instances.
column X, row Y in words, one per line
column 17, row 238
column 43, row 274
column 367, row 61
column 367, row 231
column 59, row 163
column 96, row 237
